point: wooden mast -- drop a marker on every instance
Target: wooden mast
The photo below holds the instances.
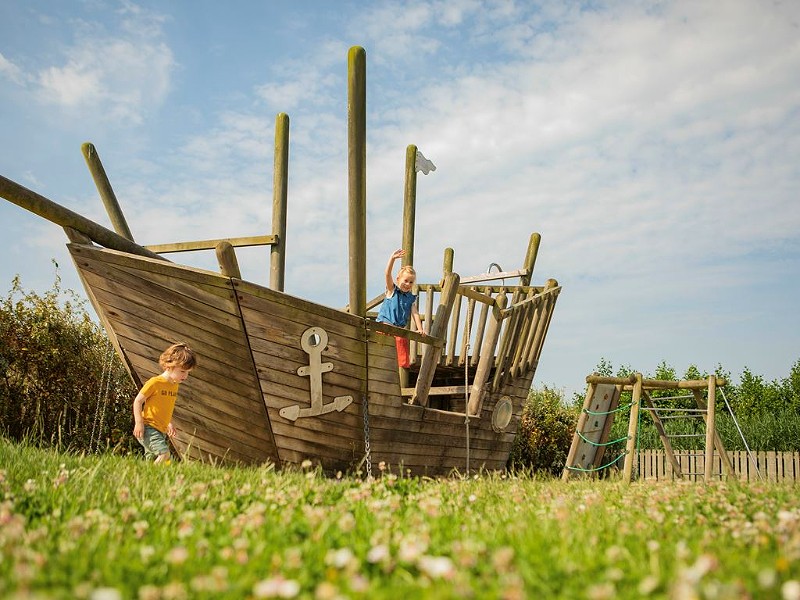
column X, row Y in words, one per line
column 280, row 183
column 357, row 177
column 409, row 204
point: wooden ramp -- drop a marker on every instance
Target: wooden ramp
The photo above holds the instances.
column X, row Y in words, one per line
column 591, row 435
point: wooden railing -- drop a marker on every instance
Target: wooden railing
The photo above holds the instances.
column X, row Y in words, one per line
column 497, row 331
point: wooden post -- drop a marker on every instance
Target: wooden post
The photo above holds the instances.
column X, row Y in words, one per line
column 357, row 177
column 530, row 258
column 409, row 204
column 47, row 209
column 106, row 192
column 280, row 186
column 541, row 332
column 431, row 354
column 226, row 257
column 727, row 466
column 630, row 446
column 409, row 216
column 479, row 331
column 662, row 433
column 711, row 429
column 486, row 361
column 447, row 265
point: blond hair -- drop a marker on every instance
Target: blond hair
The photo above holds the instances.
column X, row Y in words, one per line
column 407, row 269
column 178, row 355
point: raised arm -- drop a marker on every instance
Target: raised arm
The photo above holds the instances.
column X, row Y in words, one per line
column 389, row 268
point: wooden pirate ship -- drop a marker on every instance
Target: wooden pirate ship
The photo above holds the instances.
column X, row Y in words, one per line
column 286, row 380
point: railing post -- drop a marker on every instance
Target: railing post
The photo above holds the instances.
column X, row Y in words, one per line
column 486, row 361
column 430, row 355
column 226, row 257
column 530, row 258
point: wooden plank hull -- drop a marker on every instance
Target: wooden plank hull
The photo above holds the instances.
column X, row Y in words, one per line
column 265, row 357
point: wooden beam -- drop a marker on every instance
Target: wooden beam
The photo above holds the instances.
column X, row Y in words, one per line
column 486, row 361
column 226, row 257
column 280, row 187
column 55, row 213
column 651, row 384
column 105, row 190
column 711, row 427
column 449, row 390
column 632, row 425
column 431, row 354
column 494, row 276
column 662, row 433
column 357, row 177
column 530, row 258
column 237, row 242
column 409, row 204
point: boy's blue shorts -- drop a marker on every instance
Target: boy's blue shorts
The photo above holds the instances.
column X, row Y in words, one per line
column 155, row 443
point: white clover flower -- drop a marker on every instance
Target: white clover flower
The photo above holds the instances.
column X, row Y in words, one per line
column 276, row 587
column 436, row 567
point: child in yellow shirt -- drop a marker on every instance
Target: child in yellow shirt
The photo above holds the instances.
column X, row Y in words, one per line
column 153, row 405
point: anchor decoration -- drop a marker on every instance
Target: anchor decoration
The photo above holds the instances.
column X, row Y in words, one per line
column 313, row 341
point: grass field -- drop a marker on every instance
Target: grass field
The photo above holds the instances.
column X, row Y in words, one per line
column 113, row 527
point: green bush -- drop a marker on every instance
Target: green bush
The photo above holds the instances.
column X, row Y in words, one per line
column 61, row 383
column 545, row 433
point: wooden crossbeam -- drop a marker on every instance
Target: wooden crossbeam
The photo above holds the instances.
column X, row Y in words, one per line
column 239, row 242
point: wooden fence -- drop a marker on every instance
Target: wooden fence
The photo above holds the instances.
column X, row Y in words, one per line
column 769, row 466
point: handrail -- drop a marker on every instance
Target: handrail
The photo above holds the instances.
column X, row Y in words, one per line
column 507, row 312
column 495, row 276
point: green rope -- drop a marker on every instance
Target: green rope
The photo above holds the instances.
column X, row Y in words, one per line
column 625, row 437
column 582, row 470
column 607, row 412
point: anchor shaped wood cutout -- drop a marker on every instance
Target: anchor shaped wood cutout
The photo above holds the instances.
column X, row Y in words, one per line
column 313, row 341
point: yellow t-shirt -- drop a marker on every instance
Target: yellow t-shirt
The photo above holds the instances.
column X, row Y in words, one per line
column 159, row 401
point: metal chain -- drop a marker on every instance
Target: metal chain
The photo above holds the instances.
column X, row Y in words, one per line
column 365, row 405
column 99, row 417
column 109, row 368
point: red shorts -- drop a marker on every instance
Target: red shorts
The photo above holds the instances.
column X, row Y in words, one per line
column 403, row 353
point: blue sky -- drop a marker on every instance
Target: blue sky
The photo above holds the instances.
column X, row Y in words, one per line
column 653, row 144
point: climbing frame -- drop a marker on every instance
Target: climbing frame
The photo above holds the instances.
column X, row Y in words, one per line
column 602, row 403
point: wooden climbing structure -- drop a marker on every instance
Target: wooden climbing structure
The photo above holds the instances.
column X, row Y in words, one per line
column 602, row 404
column 283, row 379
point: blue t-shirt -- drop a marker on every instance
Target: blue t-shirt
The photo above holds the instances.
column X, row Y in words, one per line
column 397, row 309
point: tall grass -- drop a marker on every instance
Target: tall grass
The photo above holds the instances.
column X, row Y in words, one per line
column 114, row 527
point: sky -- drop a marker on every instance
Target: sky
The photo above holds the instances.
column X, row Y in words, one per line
column 655, row 146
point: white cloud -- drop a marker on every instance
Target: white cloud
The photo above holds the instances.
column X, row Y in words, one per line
column 115, row 75
column 652, row 144
column 10, row 70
